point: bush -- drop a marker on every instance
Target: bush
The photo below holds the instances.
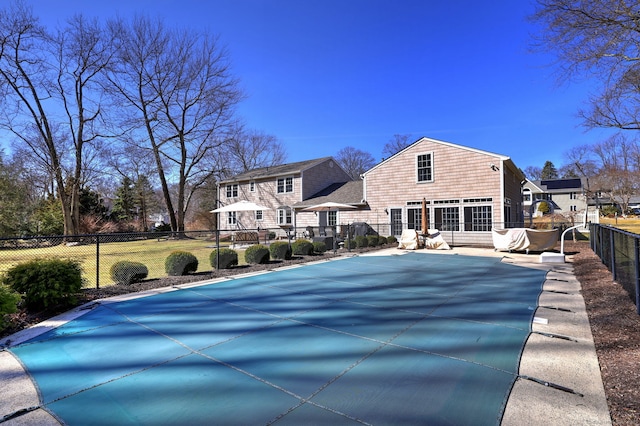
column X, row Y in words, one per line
column 46, row 283
column 382, row 240
column 391, row 239
column 256, row 254
column 180, row 263
column 280, row 250
column 8, row 305
column 319, row 247
column 349, row 244
column 372, row 240
column 228, row 258
column 361, row 241
column 126, row 272
column 302, row 247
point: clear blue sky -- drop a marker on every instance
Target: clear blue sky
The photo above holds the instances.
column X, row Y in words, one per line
column 324, row 74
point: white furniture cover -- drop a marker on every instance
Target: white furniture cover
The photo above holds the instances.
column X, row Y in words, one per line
column 408, row 240
column 519, row 239
column 435, row 241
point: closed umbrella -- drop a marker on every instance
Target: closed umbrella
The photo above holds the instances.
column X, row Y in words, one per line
column 425, row 225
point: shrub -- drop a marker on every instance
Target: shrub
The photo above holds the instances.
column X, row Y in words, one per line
column 256, row 254
column 391, row 239
column 228, row 258
column 349, row 244
column 302, row 247
column 280, row 250
column 382, row 240
column 8, row 305
column 372, row 240
column 361, row 241
column 46, row 282
column 180, row 263
column 126, row 272
column 319, row 247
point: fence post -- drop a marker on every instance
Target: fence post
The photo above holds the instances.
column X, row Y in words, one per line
column 612, row 254
column 97, row 261
column 636, row 262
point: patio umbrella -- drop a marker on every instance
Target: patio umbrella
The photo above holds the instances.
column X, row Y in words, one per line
column 328, row 206
column 240, row 206
column 425, row 225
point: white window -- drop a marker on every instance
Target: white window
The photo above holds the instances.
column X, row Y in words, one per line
column 447, row 218
column 259, row 215
column 332, row 218
column 478, row 218
column 232, row 190
column 252, row 186
column 285, row 185
column 284, row 217
column 231, row 218
column 425, row 167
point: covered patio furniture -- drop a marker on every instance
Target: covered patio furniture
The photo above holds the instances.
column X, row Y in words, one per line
column 433, row 240
column 409, row 240
column 524, row 239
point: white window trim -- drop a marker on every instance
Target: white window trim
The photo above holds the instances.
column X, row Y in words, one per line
column 433, row 174
column 285, row 185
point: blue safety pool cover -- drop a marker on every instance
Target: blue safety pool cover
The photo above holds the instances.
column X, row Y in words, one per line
column 411, row 339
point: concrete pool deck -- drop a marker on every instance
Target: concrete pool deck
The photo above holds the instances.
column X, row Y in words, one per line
column 569, row 389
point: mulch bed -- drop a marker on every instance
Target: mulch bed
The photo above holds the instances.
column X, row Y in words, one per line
column 615, row 325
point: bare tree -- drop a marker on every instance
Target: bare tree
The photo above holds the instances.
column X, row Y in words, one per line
column 601, row 39
column 533, row 172
column 395, row 145
column 619, row 173
column 355, row 161
column 252, row 149
column 48, row 83
column 177, row 92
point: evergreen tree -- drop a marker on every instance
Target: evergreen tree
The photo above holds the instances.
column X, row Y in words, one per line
column 549, row 171
column 124, row 206
column 145, row 200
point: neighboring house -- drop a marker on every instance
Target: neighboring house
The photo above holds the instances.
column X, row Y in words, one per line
column 468, row 191
column 564, row 196
column 280, row 189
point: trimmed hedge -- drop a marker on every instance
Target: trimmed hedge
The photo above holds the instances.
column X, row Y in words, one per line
column 391, row 239
column 372, row 240
column 228, row 258
column 8, row 304
column 350, row 244
column 45, row 283
column 280, row 250
column 362, row 241
column 256, row 254
column 319, row 247
column 302, row 247
column 180, row 263
column 126, row 272
column 382, row 240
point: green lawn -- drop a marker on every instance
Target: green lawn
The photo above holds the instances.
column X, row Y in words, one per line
column 151, row 253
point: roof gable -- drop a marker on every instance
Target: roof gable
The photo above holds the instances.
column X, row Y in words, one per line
column 449, row 144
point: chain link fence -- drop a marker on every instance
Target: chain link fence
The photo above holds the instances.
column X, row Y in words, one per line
column 620, row 252
column 98, row 252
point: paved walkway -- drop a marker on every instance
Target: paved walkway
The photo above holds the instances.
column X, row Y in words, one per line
column 571, row 391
